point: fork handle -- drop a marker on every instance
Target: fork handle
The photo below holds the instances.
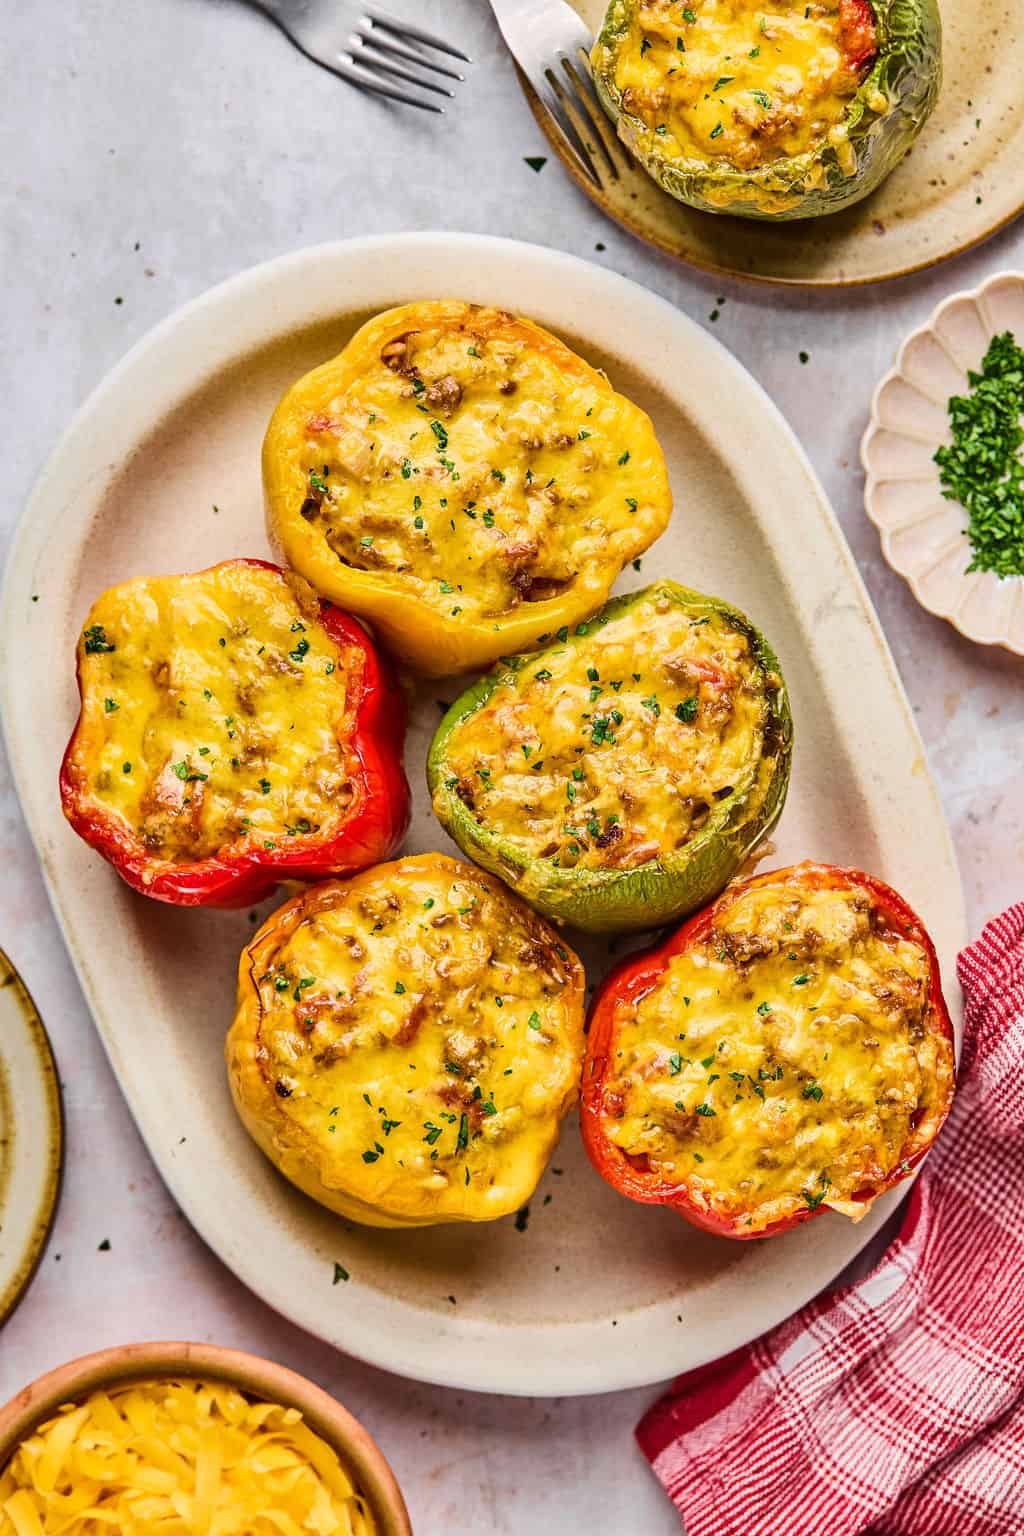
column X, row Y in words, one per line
column 520, row 11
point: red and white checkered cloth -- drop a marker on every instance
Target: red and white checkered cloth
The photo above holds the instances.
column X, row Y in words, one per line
column 894, row 1407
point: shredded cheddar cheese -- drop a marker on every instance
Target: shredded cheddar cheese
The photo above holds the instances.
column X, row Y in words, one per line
column 612, row 750
column 178, row 1458
column 784, row 1062
column 735, row 81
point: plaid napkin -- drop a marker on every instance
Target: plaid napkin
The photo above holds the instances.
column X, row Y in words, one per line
column 894, row 1407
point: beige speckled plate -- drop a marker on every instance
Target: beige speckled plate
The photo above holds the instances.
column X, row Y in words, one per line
column 31, row 1138
column 962, row 181
column 160, row 472
column 924, row 535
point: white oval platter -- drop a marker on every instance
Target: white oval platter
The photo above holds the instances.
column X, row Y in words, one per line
column 160, row 472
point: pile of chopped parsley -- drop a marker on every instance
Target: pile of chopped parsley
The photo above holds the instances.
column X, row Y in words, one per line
column 982, row 468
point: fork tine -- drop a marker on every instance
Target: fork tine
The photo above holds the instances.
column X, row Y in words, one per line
column 588, row 107
column 368, row 59
column 378, row 18
column 398, row 52
column 552, row 101
column 348, row 69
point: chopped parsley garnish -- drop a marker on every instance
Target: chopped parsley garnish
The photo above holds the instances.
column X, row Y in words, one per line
column 462, row 1140
column 675, row 1064
column 534, row 1020
column 764, row 1008
column 96, row 640
column 184, row 771
column 340, row 1273
column 982, row 467
column 801, row 980
column 110, row 705
column 813, row 1201
column 399, row 989
column 687, row 710
column 716, row 131
column 706, row 1111
column 812, row 1091
column 723, row 80
column 763, row 99
column 302, row 646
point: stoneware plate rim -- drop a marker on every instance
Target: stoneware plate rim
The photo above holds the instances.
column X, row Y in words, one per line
column 251, row 1374
column 615, row 317
column 46, row 1137
column 912, row 572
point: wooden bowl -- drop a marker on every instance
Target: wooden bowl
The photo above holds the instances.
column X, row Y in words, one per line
column 109, row 1368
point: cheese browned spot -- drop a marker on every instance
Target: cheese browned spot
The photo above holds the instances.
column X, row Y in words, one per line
column 421, row 1032
column 731, row 80
column 612, row 750
column 785, row 1062
column 472, row 468
column 214, row 712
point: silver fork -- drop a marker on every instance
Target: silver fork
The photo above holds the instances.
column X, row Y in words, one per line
column 376, row 54
column 552, row 47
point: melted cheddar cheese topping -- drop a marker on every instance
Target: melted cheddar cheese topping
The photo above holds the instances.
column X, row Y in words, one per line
column 732, row 81
column 422, row 1034
column 214, row 712
column 611, row 750
column 783, row 1063
column 470, row 467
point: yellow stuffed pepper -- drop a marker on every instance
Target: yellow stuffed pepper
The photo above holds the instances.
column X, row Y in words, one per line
column 463, row 481
column 407, row 1043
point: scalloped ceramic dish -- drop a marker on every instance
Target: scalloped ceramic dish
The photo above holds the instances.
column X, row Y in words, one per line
column 923, row 534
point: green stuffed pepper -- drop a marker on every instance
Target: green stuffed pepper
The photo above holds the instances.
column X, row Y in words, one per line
column 619, row 777
column 779, row 113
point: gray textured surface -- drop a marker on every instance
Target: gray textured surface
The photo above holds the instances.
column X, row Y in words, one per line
column 149, row 152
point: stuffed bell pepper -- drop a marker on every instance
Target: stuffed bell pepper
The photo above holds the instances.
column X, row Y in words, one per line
column 776, row 112
column 407, row 1043
column 462, row 480
column 234, row 731
column 788, row 1050
column 618, row 778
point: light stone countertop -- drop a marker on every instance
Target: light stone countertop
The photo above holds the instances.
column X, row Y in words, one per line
column 151, row 151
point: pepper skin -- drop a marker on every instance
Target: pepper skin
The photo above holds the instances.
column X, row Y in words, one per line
column 636, row 881
column 614, row 1010
column 124, row 678
column 462, row 480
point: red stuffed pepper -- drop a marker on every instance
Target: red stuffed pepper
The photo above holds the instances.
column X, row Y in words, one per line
column 787, row 1049
column 234, row 731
